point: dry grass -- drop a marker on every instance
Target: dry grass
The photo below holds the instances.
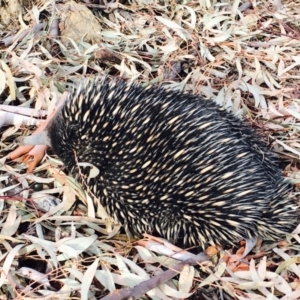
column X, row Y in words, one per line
column 242, row 54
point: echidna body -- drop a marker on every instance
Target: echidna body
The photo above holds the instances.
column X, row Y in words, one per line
column 172, row 163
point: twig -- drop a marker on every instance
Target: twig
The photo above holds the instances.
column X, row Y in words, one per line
column 26, row 111
column 14, row 38
column 145, row 286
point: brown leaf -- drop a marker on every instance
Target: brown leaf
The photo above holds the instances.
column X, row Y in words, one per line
column 34, row 156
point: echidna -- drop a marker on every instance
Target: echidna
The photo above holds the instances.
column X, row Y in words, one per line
column 172, row 163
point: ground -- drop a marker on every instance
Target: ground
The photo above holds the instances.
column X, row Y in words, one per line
column 242, row 54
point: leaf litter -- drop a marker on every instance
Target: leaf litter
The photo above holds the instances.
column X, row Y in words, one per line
column 243, row 55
